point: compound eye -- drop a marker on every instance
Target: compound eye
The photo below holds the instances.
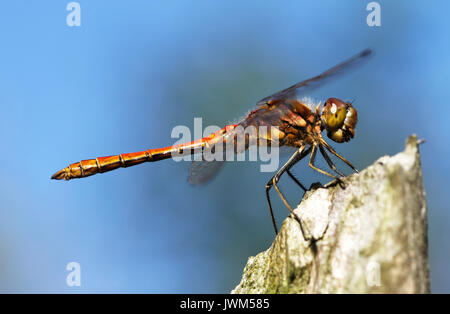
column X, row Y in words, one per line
column 334, row 113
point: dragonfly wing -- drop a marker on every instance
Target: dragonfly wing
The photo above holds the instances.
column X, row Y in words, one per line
column 202, row 171
column 318, row 80
column 213, row 156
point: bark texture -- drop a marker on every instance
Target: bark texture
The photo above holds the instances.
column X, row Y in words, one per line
column 371, row 236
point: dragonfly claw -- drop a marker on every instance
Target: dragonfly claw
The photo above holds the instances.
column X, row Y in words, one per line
column 342, row 184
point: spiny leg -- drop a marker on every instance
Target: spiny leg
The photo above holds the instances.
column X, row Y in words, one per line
column 290, row 209
column 268, row 186
column 329, row 161
column 296, row 157
column 312, row 159
column 331, row 150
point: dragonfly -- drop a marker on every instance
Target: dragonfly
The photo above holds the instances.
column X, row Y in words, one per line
column 298, row 125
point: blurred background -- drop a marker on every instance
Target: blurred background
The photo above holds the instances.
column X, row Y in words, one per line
column 133, row 71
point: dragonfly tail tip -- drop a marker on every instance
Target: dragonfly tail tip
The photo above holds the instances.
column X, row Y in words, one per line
column 59, row 175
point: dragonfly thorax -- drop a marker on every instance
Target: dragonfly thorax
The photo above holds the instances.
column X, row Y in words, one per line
column 339, row 120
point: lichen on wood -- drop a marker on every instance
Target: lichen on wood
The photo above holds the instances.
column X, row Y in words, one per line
column 370, row 236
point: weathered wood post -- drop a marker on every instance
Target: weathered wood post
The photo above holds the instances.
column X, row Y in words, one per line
column 371, row 236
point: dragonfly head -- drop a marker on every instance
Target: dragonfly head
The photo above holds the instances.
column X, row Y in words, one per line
column 339, row 119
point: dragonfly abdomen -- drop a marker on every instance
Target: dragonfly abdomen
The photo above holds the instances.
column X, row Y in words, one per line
column 89, row 167
column 86, row 168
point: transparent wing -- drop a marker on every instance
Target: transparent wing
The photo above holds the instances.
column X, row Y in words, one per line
column 202, row 171
column 318, row 80
column 213, row 156
column 219, row 149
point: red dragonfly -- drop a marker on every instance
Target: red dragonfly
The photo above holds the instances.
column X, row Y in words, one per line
column 298, row 125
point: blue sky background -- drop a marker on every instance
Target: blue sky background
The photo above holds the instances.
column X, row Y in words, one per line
column 136, row 69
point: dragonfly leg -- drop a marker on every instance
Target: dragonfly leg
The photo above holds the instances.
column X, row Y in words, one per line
column 290, row 208
column 312, row 159
column 268, row 186
column 297, row 156
column 296, row 180
column 329, row 161
column 331, row 150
